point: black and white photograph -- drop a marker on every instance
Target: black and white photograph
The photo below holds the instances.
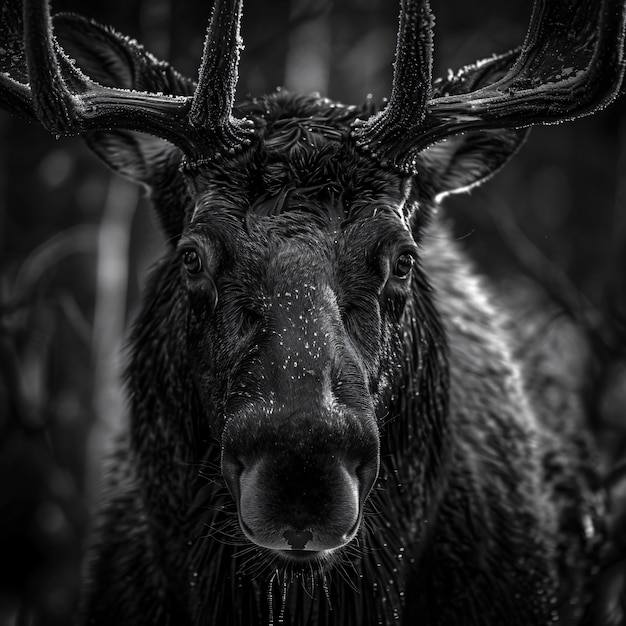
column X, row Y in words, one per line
column 312, row 313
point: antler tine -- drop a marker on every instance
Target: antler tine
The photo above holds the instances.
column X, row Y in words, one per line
column 215, row 94
column 16, row 97
column 571, row 64
column 52, row 101
column 383, row 133
column 91, row 106
column 67, row 102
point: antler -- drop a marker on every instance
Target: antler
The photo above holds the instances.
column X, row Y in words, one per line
column 66, row 101
column 571, row 64
column 220, row 59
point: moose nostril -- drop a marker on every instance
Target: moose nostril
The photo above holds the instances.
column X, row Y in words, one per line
column 297, row 540
column 367, row 473
column 232, row 468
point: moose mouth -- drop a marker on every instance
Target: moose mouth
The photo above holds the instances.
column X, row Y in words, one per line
column 307, row 561
column 300, row 546
column 301, row 556
column 299, row 540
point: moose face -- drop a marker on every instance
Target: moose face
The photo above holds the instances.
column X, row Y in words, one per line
column 297, row 290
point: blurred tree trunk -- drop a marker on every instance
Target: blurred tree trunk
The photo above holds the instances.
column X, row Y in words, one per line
column 109, row 327
column 308, row 59
column 155, row 18
column 4, row 120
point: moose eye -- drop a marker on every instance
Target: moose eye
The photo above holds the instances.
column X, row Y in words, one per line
column 192, row 262
column 404, row 265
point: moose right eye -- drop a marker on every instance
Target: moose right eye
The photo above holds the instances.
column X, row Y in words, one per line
column 404, row 265
column 192, row 262
column 200, row 281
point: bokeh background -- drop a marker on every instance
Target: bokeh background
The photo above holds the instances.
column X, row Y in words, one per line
column 76, row 243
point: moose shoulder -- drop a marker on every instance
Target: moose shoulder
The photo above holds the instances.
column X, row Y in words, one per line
column 328, row 425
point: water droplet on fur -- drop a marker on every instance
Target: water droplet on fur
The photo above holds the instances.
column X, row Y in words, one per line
column 327, row 592
column 281, row 615
column 270, row 598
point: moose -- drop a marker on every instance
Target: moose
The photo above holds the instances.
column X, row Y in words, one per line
column 328, row 422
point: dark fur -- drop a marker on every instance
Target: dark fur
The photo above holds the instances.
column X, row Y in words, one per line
column 476, row 516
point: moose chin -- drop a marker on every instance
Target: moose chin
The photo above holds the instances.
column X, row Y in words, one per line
column 329, row 424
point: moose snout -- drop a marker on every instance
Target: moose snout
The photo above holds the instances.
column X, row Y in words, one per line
column 304, row 492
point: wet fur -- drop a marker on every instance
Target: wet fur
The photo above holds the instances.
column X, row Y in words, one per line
column 475, row 517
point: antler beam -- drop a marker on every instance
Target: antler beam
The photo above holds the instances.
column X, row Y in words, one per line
column 571, row 64
column 67, row 102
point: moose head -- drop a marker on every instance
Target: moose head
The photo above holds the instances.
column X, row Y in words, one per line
column 290, row 335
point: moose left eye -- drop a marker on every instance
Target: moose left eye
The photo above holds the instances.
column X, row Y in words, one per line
column 404, row 265
column 192, row 262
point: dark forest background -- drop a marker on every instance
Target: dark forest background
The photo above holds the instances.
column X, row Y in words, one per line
column 76, row 242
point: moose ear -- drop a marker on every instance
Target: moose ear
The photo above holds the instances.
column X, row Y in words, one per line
column 114, row 60
column 137, row 156
column 153, row 162
column 464, row 161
